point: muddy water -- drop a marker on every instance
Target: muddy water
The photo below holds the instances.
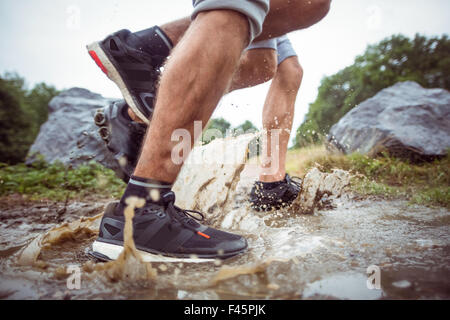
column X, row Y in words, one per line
column 322, row 255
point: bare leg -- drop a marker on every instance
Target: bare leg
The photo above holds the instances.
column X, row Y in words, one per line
column 255, row 67
column 279, row 114
column 285, row 16
column 207, row 71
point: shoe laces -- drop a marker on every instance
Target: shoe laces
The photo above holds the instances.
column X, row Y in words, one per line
column 187, row 218
column 290, row 180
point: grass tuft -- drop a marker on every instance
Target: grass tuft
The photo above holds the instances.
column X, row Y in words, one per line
column 58, row 182
column 426, row 183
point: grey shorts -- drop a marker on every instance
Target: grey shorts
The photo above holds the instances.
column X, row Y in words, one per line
column 255, row 10
column 282, row 45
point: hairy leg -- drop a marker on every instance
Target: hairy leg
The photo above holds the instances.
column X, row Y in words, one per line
column 279, row 114
column 207, row 72
column 285, row 16
column 255, row 67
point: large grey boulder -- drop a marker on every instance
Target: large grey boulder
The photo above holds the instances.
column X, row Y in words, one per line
column 406, row 120
column 70, row 134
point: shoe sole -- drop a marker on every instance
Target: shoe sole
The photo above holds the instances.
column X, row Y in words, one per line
column 109, row 252
column 107, row 66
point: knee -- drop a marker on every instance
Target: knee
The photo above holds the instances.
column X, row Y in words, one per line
column 290, row 74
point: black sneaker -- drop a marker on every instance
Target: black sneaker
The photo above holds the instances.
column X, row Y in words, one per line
column 165, row 233
column 279, row 196
column 136, row 72
column 122, row 136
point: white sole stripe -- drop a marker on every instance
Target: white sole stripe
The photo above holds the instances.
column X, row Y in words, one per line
column 114, row 76
column 113, row 252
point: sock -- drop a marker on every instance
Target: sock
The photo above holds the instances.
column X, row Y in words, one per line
column 271, row 185
column 150, row 190
column 155, row 42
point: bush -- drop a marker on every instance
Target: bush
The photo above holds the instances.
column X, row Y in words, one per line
column 22, row 112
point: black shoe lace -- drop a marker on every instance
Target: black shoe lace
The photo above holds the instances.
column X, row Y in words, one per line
column 290, row 180
column 185, row 217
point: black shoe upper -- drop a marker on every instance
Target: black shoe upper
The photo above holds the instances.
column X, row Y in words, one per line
column 168, row 230
column 122, row 136
column 138, row 69
column 282, row 194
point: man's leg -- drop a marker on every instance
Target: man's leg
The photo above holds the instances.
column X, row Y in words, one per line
column 276, row 189
column 207, row 56
column 285, row 16
column 278, row 114
column 258, row 64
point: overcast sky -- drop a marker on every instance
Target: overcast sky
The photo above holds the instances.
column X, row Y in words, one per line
column 44, row 40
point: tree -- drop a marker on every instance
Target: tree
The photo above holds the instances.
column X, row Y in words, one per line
column 22, row 113
column 394, row 59
column 219, row 125
column 246, row 127
column 15, row 127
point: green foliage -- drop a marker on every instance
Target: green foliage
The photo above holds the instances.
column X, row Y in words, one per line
column 224, row 127
column 424, row 183
column 22, row 112
column 220, row 124
column 395, row 59
column 57, row 182
column 246, row 127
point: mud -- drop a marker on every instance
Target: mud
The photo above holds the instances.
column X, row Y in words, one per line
column 321, row 255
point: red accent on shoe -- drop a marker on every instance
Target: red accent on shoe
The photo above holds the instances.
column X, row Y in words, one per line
column 95, row 57
column 203, row 235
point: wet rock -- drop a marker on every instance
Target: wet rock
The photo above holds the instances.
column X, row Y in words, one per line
column 208, row 180
column 317, row 186
column 406, row 120
column 70, row 135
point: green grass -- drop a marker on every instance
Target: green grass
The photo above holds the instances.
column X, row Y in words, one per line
column 426, row 183
column 57, row 182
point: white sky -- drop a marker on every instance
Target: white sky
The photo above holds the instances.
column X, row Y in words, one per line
column 43, row 40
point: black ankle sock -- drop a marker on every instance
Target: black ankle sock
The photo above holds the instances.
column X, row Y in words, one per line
column 150, row 190
column 155, row 42
column 271, row 185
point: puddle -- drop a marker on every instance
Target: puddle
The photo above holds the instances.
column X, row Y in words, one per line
column 323, row 255
column 352, row 286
